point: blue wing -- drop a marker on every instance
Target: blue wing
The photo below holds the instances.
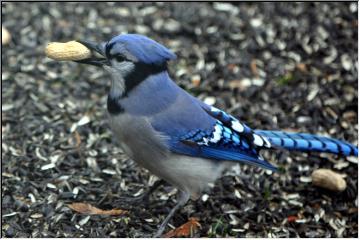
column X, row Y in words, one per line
column 222, row 143
column 198, row 130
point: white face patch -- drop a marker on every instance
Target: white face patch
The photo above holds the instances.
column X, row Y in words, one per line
column 118, row 72
column 123, row 68
column 238, row 127
column 217, row 134
column 258, row 140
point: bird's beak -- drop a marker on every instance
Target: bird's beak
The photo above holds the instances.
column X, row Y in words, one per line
column 93, row 60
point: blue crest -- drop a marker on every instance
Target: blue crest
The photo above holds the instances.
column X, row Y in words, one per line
column 142, row 48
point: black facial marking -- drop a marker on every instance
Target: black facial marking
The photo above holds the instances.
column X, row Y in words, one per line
column 120, row 58
column 113, row 105
column 108, row 48
column 140, row 73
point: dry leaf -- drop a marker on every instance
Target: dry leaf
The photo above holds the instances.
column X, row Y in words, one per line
column 184, row 230
column 86, row 208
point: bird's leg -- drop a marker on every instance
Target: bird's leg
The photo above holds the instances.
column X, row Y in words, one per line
column 145, row 196
column 183, row 198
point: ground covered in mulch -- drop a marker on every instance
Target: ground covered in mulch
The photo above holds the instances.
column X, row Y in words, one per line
column 274, row 66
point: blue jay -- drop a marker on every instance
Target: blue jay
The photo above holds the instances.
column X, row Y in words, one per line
column 173, row 134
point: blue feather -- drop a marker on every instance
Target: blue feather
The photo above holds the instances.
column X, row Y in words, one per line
column 199, row 143
column 142, row 48
column 220, row 153
column 308, row 142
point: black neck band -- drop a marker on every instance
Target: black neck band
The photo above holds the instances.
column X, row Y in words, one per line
column 139, row 74
column 133, row 79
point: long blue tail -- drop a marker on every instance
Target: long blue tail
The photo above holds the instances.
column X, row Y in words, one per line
column 308, row 142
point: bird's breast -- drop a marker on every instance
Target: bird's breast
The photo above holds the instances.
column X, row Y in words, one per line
column 138, row 138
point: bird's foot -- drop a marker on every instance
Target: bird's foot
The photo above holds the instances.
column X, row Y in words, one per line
column 143, row 198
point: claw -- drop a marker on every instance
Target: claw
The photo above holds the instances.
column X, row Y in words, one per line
column 143, row 198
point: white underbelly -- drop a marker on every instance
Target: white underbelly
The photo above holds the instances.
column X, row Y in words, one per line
column 190, row 174
column 146, row 147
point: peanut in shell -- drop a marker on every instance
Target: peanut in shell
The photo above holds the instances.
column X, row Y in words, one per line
column 69, row 51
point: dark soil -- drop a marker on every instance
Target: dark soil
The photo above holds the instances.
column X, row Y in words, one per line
column 275, row 66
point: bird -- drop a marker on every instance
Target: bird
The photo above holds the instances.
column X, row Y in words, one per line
column 173, row 134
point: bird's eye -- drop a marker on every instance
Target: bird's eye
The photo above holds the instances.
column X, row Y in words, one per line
column 119, row 58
